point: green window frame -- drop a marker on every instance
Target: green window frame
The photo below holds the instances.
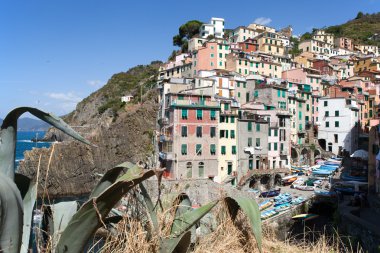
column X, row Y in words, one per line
column 232, row 119
column 249, row 126
column 223, row 150
column 336, row 123
column 269, row 146
column 256, row 94
column 327, row 124
column 212, row 55
column 258, row 142
column 184, row 131
column 198, row 149
column 232, row 134
column 181, row 97
column 212, row 149
column 199, row 131
column 275, row 132
column 283, row 93
column 244, row 85
column 199, row 114
column 249, row 142
column 212, row 132
column 326, row 113
column 220, row 55
column 184, row 113
column 281, row 146
column 212, row 114
column 325, row 103
column 250, row 164
column 226, row 133
column 269, row 132
column 238, row 84
column 226, row 106
column 184, row 149
column 336, row 113
column 299, row 115
column 278, row 93
column 257, row 127
column 275, row 146
column 233, row 150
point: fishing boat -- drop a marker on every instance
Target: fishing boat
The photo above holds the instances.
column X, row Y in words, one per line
column 322, row 173
column 283, row 207
column 305, row 216
column 289, row 179
column 347, row 177
column 297, row 201
column 270, row 193
column 304, row 187
column 268, row 213
column 265, row 204
column 322, row 193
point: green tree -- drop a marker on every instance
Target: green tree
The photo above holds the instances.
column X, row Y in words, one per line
column 360, row 15
column 186, row 32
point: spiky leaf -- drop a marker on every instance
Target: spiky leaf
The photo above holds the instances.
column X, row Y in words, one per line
column 178, row 244
column 91, row 215
column 11, row 216
column 9, row 130
column 251, row 209
column 181, row 204
column 28, row 192
column 107, row 180
column 149, row 206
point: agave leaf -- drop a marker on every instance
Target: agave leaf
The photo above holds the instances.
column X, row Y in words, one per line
column 178, row 244
column 150, row 206
column 28, row 192
column 107, row 180
column 251, row 209
column 11, row 216
column 91, row 215
column 185, row 221
column 181, row 204
column 8, row 135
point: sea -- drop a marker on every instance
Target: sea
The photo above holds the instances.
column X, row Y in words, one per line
column 24, row 143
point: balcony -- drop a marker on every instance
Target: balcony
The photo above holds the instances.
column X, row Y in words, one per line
column 164, row 138
column 189, row 103
column 166, row 155
column 163, row 121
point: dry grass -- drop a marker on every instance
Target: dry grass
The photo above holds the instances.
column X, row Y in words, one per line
column 227, row 236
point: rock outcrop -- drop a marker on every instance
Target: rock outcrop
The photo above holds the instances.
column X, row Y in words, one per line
column 121, row 134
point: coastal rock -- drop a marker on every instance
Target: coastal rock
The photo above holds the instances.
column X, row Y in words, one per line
column 75, row 167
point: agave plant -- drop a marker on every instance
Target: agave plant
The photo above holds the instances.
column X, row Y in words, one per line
column 71, row 229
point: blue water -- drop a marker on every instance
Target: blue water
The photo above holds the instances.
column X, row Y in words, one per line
column 24, row 142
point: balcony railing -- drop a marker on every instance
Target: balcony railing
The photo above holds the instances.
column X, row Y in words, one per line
column 166, row 155
column 164, row 138
column 194, row 103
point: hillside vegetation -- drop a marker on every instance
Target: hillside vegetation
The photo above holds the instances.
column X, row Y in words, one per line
column 361, row 29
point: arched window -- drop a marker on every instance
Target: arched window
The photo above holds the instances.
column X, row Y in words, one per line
column 201, row 170
column 189, row 170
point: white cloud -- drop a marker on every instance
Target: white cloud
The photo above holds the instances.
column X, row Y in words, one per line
column 63, row 102
column 262, row 21
column 94, row 83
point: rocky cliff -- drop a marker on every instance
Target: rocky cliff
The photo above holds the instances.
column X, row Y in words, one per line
column 121, row 132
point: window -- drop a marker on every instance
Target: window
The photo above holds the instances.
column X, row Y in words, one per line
column 335, row 138
column 184, row 149
column 221, row 118
column 184, row 131
column 336, row 123
column 212, row 114
column 201, row 169
column 212, row 132
column 198, row 149
column 226, row 107
column 326, row 113
column 250, row 164
column 238, row 94
column 249, row 142
column 232, row 134
column 269, row 132
column 212, row 149
column 221, row 133
column 281, row 146
column 232, row 119
column 220, row 55
column 220, row 47
column 278, row 93
column 184, row 113
column 212, row 55
column 327, row 124
column 238, row 84
column 244, row 85
column 256, row 93
column 180, row 97
column 337, row 113
column 226, row 133
column 249, row 126
column 226, row 119
column 233, row 150
column 275, row 146
column 199, row 131
column 257, row 142
column 199, row 114
column 324, row 103
column 283, row 93
column 269, row 146
column 275, row 132
column 223, row 150
column 257, row 127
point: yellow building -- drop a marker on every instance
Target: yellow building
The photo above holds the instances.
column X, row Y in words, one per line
column 270, row 43
column 305, row 60
column 227, row 153
column 367, row 63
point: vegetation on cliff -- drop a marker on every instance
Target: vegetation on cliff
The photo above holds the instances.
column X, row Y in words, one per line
column 186, row 32
column 362, row 29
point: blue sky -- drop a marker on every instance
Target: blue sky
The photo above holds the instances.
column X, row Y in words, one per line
column 55, row 53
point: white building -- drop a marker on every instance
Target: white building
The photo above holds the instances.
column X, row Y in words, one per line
column 126, row 98
column 215, row 28
column 338, row 129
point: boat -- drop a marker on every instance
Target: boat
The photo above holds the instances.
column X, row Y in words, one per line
column 304, row 187
column 322, row 173
column 268, row 213
column 289, row 179
column 297, row 201
column 305, row 216
column 265, row 204
column 299, row 181
column 321, row 193
column 270, row 193
column 282, row 207
column 347, row 177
